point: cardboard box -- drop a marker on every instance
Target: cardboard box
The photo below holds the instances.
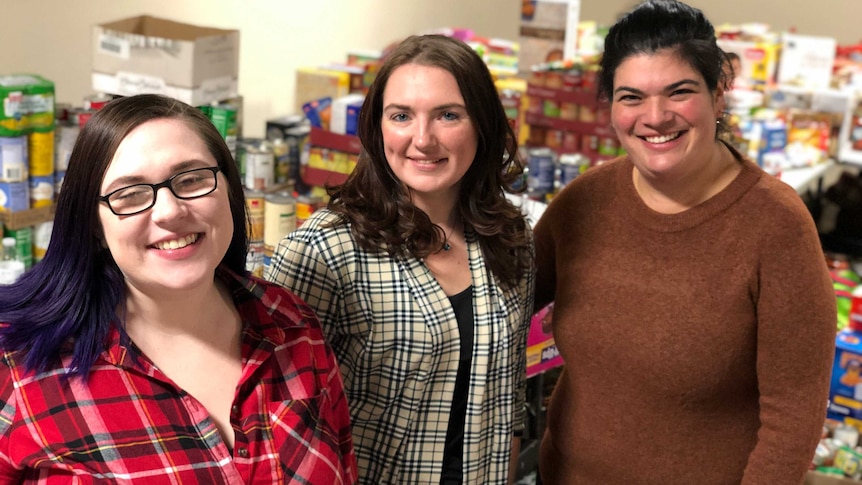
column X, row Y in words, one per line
column 314, row 83
column 146, row 54
column 816, row 478
column 548, row 31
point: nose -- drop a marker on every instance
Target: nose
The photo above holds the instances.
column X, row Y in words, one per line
column 424, row 137
column 167, row 206
column 657, row 112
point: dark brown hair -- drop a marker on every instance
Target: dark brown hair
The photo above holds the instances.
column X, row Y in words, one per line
column 377, row 204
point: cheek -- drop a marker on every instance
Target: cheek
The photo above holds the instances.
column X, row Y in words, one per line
column 622, row 119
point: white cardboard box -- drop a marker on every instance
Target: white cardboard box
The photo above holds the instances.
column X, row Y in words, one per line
column 147, row 54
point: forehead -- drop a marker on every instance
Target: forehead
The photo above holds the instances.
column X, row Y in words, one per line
column 419, row 81
column 154, row 147
column 658, row 68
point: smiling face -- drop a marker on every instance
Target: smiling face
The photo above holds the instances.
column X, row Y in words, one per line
column 428, row 136
column 664, row 114
column 176, row 244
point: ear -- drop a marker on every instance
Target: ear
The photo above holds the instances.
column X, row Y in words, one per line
column 719, row 102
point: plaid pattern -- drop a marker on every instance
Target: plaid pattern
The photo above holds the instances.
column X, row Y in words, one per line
column 130, row 424
column 396, row 339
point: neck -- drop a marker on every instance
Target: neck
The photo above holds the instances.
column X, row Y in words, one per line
column 195, row 312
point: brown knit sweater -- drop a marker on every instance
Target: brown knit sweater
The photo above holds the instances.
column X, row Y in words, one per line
column 698, row 345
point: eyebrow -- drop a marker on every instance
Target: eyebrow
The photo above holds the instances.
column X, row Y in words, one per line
column 442, row 107
column 669, row 87
column 127, row 180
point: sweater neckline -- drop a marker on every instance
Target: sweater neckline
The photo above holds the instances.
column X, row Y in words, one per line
column 706, row 210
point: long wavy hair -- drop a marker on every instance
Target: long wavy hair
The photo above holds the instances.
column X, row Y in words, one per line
column 657, row 25
column 77, row 290
column 378, row 205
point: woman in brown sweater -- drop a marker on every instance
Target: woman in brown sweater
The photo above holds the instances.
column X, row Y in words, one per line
column 693, row 306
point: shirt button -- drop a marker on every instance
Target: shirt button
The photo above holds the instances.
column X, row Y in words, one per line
column 234, row 409
column 242, row 452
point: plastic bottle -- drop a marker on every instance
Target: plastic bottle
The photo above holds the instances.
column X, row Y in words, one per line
column 10, row 266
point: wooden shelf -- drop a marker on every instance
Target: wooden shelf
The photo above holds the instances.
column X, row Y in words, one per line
column 30, row 217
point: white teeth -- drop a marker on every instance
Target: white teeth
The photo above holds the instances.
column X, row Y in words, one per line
column 662, row 139
column 178, row 243
column 427, row 162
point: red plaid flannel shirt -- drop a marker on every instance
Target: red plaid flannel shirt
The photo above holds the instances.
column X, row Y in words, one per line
column 129, row 423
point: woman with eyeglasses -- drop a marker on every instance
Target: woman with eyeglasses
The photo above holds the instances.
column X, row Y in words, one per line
column 140, row 350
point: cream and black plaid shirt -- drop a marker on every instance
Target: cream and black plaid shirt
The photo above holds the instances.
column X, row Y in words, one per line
column 396, row 339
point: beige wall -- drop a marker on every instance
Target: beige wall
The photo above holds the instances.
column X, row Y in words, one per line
column 52, row 37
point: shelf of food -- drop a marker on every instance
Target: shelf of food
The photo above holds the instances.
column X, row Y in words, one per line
column 583, row 98
column 583, row 127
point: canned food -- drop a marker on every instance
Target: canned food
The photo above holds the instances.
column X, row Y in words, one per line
column 540, row 172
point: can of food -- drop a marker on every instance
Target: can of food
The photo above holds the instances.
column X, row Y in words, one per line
column 279, row 218
column 224, row 118
column 569, row 111
column 305, row 206
column 259, row 165
column 587, row 114
column 41, row 239
column 41, row 151
column 281, row 154
column 254, row 259
column 589, row 144
column 95, row 102
column 540, row 171
column 13, row 158
column 64, row 140
column 572, row 165
column 14, row 196
column 254, row 201
column 41, row 191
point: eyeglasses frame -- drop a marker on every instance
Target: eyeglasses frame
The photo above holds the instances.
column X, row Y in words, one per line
column 156, row 187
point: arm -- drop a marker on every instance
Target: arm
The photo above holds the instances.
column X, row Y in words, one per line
column 795, row 347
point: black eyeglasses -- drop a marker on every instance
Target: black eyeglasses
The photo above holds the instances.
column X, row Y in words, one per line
column 190, row 184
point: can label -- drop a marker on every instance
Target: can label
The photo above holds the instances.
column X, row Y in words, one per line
column 255, row 202
column 259, row 164
column 279, row 219
column 540, row 171
column 64, row 142
column 41, row 191
column 13, row 159
column 14, row 196
column 41, row 239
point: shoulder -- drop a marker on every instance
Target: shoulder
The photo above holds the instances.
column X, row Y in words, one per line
column 325, row 229
column 777, row 201
column 268, row 304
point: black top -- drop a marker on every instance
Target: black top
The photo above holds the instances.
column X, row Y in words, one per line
column 453, row 454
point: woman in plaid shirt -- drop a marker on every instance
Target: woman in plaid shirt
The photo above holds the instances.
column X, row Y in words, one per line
column 140, row 350
column 422, row 273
